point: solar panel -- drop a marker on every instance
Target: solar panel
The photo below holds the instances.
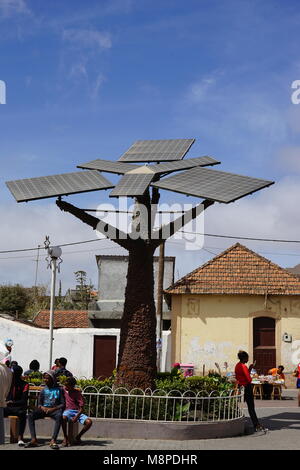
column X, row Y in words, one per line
column 109, row 166
column 183, row 164
column 212, row 184
column 157, row 150
column 57, row 185
column 134, row 184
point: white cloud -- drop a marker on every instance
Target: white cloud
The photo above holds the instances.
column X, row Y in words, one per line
column 199, row 90
column 224, row 109
column 9, row 8
column 78, row 70
column 289, row 159
column 97, row 85
column 26, row 225
column 85, row 38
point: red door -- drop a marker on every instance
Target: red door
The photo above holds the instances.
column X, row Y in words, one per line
column 105, row 350
column 264, row 349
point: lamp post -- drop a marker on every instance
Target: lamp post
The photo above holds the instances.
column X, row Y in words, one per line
column 159, row 309
column 54, row 252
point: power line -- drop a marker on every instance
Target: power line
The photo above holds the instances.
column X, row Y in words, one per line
column 181, row 231
column 60, row 244
column 242, row 238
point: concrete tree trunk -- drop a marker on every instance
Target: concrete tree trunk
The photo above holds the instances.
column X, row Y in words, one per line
column 137, row 351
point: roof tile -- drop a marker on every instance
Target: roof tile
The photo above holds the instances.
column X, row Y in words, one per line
column 63, row 319
column 238, row 270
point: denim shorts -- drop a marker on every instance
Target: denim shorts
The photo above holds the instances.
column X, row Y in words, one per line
column 72, row 413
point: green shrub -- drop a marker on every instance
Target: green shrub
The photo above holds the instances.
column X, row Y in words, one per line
column 165, row 381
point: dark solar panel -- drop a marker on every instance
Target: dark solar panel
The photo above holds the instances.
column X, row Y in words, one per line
column 57, row 185
column 212, row 184
column 157, row 150
column 106, row 165
column 134, row 184
column 183, row 164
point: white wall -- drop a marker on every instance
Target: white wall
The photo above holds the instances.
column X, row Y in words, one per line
column 76, row 344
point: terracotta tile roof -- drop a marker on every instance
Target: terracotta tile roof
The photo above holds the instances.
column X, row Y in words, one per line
column 238, row 270
column 63, row 319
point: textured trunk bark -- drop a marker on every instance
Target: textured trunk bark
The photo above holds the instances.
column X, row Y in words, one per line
column 137, row 351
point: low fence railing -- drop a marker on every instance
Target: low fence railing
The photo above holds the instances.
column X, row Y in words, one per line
column 159, row 405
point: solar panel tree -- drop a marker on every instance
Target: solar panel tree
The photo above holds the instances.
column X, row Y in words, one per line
column 145, row 168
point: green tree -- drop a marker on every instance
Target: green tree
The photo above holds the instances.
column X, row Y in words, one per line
column 13, row 298
column 37, row 300
column 83, row 289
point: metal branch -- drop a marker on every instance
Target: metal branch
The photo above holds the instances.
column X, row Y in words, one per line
column 106, row 229
column 167, row 231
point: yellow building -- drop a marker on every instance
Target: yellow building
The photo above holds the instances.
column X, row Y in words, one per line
column 237, row 300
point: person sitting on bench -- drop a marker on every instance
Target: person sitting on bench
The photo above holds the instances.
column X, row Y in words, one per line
column 51, row 403
column 74, row 411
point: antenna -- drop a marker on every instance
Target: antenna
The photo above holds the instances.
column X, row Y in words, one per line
column 54, row 253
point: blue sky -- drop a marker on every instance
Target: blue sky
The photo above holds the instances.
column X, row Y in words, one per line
column 85, row 80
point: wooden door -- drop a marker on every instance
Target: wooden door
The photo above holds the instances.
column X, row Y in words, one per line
column 105, row 351
column 264, row 346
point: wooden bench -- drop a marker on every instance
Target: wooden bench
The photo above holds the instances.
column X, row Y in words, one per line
column 14, row 425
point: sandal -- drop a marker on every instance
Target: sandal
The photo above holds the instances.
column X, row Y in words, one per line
column 31, row 444
column 54, row 446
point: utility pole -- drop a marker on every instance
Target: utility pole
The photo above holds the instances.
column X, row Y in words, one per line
column 54, row 253
column 36, row 271
column 159, row 308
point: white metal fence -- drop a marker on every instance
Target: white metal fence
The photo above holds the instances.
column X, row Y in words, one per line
column 159, row 405
column 162, row 406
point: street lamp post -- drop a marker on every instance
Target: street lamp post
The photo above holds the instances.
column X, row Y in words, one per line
column 54, row 253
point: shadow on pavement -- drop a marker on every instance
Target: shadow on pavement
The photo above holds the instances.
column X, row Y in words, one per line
column 44, row 445
column 282, row 421
column 286, row 420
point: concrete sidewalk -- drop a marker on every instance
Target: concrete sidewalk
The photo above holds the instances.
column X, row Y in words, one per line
column 281, row 417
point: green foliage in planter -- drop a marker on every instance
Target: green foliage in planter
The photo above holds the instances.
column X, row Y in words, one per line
column 195, row 383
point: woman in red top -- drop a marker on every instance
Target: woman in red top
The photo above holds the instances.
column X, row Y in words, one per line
column 243, row 378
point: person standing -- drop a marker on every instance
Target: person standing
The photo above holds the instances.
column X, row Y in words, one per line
column 16, row 401
column 243, row 378
column 297, row 374
column 55, row 366
column 5, row 383
column 62, row 362
column 34, row 367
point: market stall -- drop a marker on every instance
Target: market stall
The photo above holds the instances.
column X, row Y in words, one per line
column 267, row 386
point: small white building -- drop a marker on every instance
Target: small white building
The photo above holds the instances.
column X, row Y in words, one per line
column 89, row 340
column 86, row 349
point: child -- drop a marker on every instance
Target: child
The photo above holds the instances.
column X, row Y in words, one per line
column 74, row 411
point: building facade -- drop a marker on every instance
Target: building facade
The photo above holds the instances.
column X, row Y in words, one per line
column 238, row 300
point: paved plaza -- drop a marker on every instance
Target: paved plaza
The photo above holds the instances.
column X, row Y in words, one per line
column 281, row 417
